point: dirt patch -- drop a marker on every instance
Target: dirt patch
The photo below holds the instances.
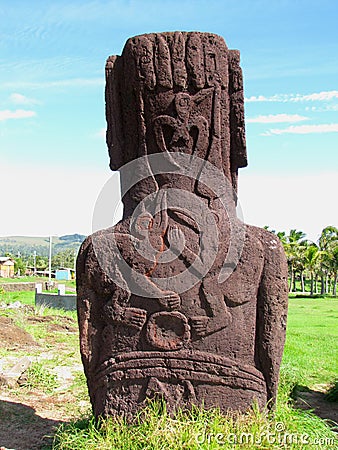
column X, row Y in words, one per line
column 67, row 325
column 314, row 400
column 13, row 337
column 47, row 319
column 29, row 416
column 22, row 428
column 57, row 327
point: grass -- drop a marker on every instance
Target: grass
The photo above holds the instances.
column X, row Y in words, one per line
column 201, row 429
column 23, row 279
column 39, row 378
column 55, row 291
column 311, row 343
column 28, row 298
column 309, row 359
column 24, row 297
column 35, row 279
column 39, row 330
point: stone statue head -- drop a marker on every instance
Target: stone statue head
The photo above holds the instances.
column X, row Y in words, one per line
column 181, row 92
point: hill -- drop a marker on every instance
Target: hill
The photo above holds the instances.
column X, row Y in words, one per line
column 26, row 245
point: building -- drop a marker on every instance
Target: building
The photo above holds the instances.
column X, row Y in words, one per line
column 65, row 273
column 30, row 271
column 6, row 267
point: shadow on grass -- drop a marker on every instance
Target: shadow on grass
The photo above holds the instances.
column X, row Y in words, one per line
column 308, row 295
column 22, row 429
column 316, row 401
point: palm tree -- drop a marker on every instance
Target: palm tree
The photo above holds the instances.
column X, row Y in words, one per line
column 318, row 260
column 282, row 237
column 311, row 258
column 295, row 243
column 335, row 270
column 328, row 242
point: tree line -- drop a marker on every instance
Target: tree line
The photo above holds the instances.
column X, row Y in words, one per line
column 313, row 263
column 65, row 258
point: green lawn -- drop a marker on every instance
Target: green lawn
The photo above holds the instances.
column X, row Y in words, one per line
column 33, row 279
column 312, row 337
column 25, row 297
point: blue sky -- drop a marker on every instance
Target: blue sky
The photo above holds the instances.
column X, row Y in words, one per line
column 52, row 122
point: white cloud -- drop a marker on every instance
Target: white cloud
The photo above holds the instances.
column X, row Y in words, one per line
column 17, row 114
column 304, row 129
column 322, row 108
column 277, row 118
column 283, row 98
column 320, row 96
column 100, row 134
column 262, row 98
column 20, row 99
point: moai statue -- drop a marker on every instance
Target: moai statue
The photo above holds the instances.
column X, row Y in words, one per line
column 180, row 299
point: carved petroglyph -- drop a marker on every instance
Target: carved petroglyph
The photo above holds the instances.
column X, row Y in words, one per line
column 182, row 127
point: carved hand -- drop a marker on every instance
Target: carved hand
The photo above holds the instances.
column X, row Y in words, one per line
column 176, row 239
column 134, row 317
column 171, row 301
column 199, row 325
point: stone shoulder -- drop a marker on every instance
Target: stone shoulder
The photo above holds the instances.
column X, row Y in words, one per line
column 270, row 242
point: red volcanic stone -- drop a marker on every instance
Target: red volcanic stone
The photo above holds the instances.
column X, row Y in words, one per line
column 180, row 298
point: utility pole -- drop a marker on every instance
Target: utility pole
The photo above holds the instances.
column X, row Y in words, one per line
column 34, row 256
column 19, row 256
column 50, row 260
column 75, row 264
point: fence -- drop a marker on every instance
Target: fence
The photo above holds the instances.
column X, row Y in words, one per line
column 61, row 300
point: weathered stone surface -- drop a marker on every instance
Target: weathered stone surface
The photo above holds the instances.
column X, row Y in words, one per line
column 180, row 298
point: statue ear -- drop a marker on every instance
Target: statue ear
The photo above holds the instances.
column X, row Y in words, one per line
column 238, row 145
column 114, row 135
